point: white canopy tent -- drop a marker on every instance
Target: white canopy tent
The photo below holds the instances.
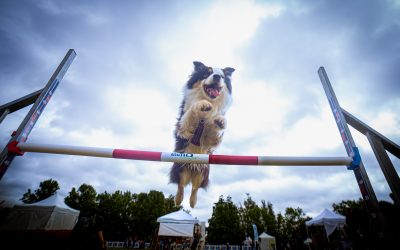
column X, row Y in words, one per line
column 49, row 214
column 177, row 223
column 267, row 242
column 329, row 219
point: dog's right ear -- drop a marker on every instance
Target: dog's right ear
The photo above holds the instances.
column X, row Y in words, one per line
column 198, row 66
column 228, row 71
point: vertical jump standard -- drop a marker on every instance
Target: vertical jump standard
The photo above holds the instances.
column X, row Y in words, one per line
column 40, row 99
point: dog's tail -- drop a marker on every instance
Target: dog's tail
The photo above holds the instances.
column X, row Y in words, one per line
column 206, row 173
column 175, row 173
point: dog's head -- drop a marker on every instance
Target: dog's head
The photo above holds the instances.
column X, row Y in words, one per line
column 213, row 84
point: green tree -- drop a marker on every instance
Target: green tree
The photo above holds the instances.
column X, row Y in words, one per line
column 224, row 224
column 147, row 208
column 280, row 229
column 128, row 214
column 344, row 206
column 83, row 199
column 125, row 214
column 251, row 214
column 294, row 228
column 268, row 218
column 360, row 227
column 46, row 189
column 392, row 217
column 116, row 210
column 358, row 221
column 169, row 205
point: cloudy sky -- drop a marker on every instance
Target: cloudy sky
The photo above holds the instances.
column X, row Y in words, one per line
column 124, row 88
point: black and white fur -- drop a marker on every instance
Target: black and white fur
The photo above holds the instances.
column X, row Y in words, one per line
column 207, row 96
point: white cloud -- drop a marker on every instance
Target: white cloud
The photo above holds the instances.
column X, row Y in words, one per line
column 212, row 36
column 226, row 27
column 150, row 114
column 309, row 135
column 386, row 121
column 257, row 107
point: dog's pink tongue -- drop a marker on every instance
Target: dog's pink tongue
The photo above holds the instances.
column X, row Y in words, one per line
column 214, row 92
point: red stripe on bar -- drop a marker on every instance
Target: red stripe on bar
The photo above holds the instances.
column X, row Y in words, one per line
column 136, row 155
column 233, row 159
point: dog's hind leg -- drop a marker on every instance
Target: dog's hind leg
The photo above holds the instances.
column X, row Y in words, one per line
column 183, row 181
column 179, row 195
column 197, row 179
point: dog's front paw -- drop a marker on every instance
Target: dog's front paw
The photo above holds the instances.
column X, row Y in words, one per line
column 204, row 106
column 220, row 122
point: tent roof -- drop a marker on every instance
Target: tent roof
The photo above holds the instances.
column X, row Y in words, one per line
column 53, row 201
column 330, row 220
column 265, row 235
column 326, row 216
column 180, row 217
column 49, row 214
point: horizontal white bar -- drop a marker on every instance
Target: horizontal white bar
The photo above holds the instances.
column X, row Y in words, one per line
column 67, row 150
column 304, row 161
column 186, row 157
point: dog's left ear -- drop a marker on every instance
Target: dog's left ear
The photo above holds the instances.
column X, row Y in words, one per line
column 228, row 71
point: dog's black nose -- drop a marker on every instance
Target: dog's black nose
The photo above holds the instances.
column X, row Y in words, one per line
column 216, row 78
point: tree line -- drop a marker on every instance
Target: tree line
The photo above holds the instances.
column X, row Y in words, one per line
column 130, row 214
column 230, row 223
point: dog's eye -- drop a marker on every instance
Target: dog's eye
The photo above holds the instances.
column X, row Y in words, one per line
column 210, row 70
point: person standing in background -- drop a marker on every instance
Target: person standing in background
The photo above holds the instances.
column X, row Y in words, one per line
column 196, row 238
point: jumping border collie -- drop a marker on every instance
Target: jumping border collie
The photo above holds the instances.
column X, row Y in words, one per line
column 199, row 129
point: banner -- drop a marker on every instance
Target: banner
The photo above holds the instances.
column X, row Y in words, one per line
column 255, row 232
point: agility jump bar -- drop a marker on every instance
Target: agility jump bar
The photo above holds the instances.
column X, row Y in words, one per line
column 20, row 148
